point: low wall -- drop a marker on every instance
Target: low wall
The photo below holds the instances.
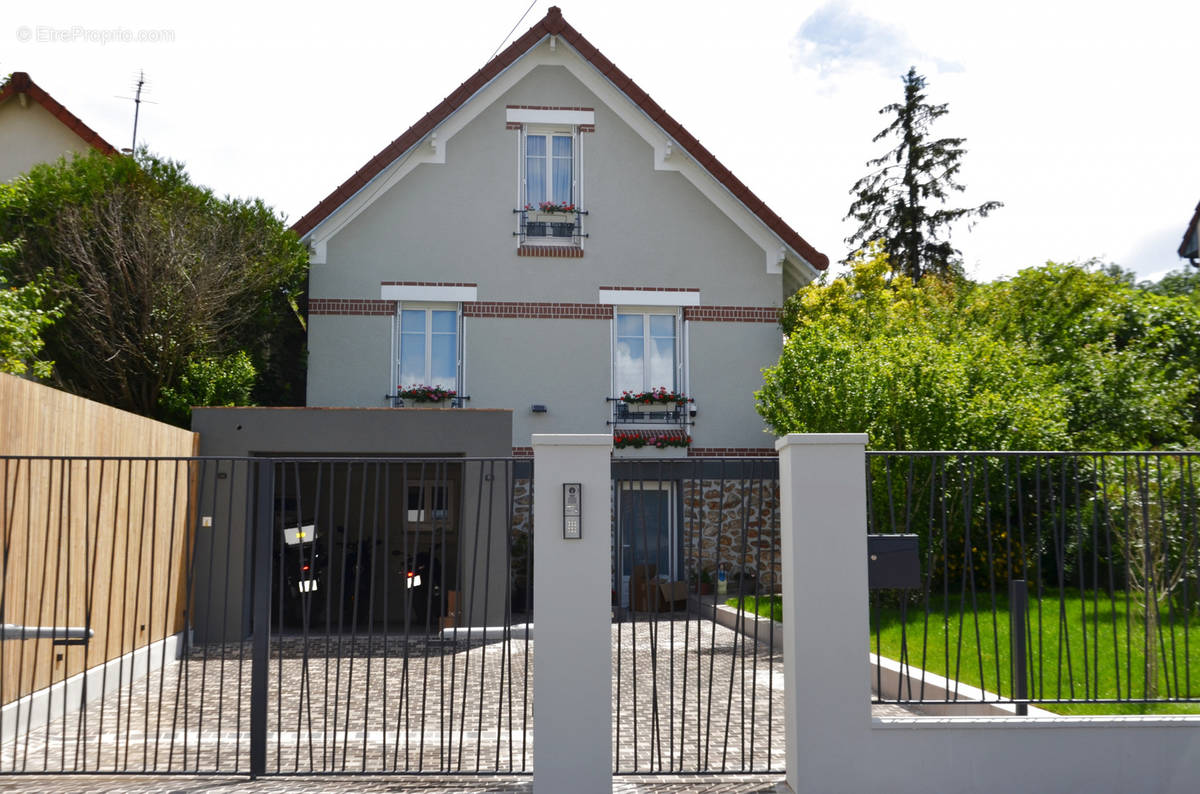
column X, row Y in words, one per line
column 834, row 744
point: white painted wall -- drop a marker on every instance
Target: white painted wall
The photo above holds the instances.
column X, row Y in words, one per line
column 30, row 135
column 834, row 745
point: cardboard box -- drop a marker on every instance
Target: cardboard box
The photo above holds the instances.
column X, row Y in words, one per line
column 653, row 593
column 672, row 596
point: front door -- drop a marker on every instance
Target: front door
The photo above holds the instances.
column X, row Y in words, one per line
column 646, row 538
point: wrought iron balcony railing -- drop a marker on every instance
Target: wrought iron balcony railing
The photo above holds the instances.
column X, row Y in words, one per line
column 550, row 228
column 665, row 413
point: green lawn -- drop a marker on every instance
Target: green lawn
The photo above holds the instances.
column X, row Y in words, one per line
column 763, row 606
column 1056, row 623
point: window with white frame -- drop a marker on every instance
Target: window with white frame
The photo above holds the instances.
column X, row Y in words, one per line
column 428, row 342
column 646, row 351
column 549, row 166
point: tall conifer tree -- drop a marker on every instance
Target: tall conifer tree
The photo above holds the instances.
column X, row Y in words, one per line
column 900, row 201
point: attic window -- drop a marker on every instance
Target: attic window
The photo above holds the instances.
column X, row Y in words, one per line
column 550, row 177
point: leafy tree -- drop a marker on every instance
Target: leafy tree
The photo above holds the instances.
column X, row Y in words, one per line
column 899, row 201
column 1126, row 357
column 212, row 380
column 156, row 276
column 1059, row 357
column 23, row 317
column 1177, row 283
column 893, row 360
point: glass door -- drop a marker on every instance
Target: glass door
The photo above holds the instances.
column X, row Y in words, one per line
column 645, row 537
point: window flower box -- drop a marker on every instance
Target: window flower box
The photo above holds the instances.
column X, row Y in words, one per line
column 553, row 208
column 660, row 400
column 654, row 441
column 427, row 396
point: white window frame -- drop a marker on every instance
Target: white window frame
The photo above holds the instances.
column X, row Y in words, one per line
column 552, row 125
column 397, row 338
column 549, row 132
column 681, row 370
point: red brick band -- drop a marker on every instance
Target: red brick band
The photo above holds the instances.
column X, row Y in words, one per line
column 538, row 311
column 550, row 250
column 544, row 107
column 732, row 314
column 732, row 452
column 370, row 308
column 429, row 284
column 522, row 452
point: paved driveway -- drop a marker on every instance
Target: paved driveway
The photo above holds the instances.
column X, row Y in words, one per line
column 689, row 695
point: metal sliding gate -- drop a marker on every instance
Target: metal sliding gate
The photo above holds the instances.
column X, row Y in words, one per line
column 697, row 679
column 266, row 616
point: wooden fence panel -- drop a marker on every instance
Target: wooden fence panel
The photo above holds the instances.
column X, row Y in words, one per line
column 97, row 536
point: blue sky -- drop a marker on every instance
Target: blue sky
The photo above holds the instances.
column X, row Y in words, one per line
column 1081, row 117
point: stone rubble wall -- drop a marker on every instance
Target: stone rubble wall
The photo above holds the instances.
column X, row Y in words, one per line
column 733, row 525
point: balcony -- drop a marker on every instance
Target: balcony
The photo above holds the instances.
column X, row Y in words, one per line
column 674, row 414
column 550, row 229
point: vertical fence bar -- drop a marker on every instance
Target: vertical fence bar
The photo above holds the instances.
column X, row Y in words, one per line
column 265, row 480
column 1018, row 600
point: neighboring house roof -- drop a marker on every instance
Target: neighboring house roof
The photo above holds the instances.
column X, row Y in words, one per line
column 1190, row 247
column 554, row 24
column 20, row 83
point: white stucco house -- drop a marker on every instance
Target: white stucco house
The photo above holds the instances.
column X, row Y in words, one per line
column 36, row 128
column 545, row 240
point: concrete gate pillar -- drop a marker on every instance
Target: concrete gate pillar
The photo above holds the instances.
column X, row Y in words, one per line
column 572, row 657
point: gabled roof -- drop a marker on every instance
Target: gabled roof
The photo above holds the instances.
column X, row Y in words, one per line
column 1190, row 247
column 21, row 83
column 554, row 24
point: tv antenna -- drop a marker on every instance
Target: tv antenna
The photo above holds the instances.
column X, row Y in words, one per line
column 139, row 87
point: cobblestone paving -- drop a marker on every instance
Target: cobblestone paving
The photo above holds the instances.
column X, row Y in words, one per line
column 183, row 784
column 391, row 704
column 695, row 696
column 689, row 696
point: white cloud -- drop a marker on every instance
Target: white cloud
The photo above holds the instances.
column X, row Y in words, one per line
column 835, row 38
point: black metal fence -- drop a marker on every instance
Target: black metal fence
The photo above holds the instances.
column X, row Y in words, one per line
column 1058, row 578
column 329, row 615
column 367, row 615
column 697, row 684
